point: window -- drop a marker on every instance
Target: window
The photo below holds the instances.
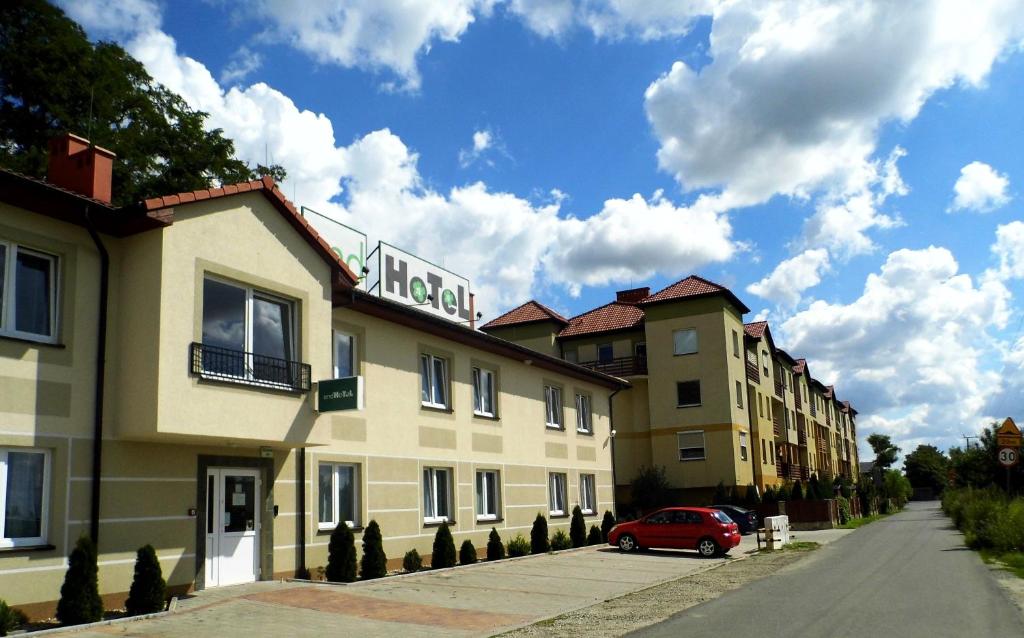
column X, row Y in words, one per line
column 760, row 405
column 247, row 334
column 572, row 356
column 483, row 392
column 687, row 393
column 691, row 445
column 640, row 350
column 588, row 502
column 764, row 454
column 743, row 446
column 28, row 293
column 771, row 446
column 739, row 395
column 764, row 362
column 433, row 381
column 436, row 494
column 339, row 489
column 24, row 491
column 735, row 344
column 584, row 421
column 605, row 354
column 556, row 493
column 487, row 492
column 685, row 341
column 344, row 355
column 553, row 406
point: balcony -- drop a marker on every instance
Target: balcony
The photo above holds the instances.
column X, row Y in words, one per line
column 246, row 368
column 801, row 437
column 778, row 385
column 792, row 471
column 753, row 374
column 620, row 367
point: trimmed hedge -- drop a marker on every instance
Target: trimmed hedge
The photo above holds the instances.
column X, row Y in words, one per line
column 607, row 523
column 539, row 543
column 578, row 528
column 594, row 537
column 149, row 589
column 341, row 555
column 374, row 563
column 80, row 600
column 412, row 562
column 495, row 548
column 444, row 548
column 518, row 546
column 467, row 553
column 560, row 541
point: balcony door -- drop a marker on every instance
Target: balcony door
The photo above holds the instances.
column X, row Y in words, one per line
column 232, row 526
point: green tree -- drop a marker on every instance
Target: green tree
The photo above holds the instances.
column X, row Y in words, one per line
column 149, row 589
column 884, row 449
column 594, row 536
column 539, row 543
column 54, row 80
column 798, row 492
column 650, row 488
column 495, row 548
column 927, row 467
column 607, row 523
column 578, row 528
column 895, row 486
column 80, row 600
column 814, row 490
column 444, row 548
column 341, row 555
column 374, row 563
column 467, row 553
column 782, row 493
column 412, row 561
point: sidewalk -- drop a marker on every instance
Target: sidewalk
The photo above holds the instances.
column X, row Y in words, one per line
column 481, row 600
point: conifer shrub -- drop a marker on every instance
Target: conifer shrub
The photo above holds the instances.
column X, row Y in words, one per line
column 814, row 491
column 149, row 589
column 751, row 498
column 412, row 562
column 80, row 600
column 518, row 546
column 578, row 528
column 444, row 548
column 607, row 523
column 782, row 494
column 10, row 618
column 374, row 563
column 798, row 492
column 594, row 537
column 769, row 495
column 495, row 548
column 539, row 536
column 467, row 553
column 721, row 496
column 560, row 541
column 730, row 496
column 341, row 555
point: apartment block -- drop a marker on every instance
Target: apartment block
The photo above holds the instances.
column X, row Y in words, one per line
column 713, row 399
column 161, row 376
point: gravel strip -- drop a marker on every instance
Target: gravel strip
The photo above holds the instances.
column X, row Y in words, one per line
column 627, row 613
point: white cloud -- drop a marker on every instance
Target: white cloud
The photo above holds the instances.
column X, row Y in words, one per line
column 796, row 92
column 483, row 141
column 113, row 19
column 612, row 19
column 1009, row 250
column 913, row 352
column 243, row 63
column 980, row 188
column 792, row 277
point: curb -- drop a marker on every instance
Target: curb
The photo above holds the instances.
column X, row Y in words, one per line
column 94, row 625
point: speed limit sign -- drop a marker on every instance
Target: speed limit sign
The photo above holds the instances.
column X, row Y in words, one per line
column 1008, row 456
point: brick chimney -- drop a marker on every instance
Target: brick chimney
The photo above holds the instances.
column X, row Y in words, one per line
column 633, row 295
column 79, row 166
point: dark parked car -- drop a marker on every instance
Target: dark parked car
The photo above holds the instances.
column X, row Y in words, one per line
column 746, row 519
column 708, row 531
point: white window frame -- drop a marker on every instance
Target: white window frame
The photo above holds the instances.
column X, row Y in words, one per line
column 557, row 489
column 584, row 414
column 430, row 475
column 588, row 493
column 491, row 511
column 702, row 447
column 484, row 378
column 44, row 506
column 678, row 348
column 338, row 334
column 356, row 483
column 765, row 360
column 689, row 405
column 553, row 413
column 735, row 344
column 8, row 299
column 744, row 453
column 739, row 395
column 432, row 382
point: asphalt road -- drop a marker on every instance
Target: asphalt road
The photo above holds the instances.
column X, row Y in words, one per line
column 906, row 575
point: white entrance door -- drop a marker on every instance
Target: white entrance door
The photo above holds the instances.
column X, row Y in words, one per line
column 232, row 526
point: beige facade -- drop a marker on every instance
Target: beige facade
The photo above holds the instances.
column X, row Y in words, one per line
column 180, row 414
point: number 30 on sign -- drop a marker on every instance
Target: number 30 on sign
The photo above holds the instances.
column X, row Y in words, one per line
column 1009, row 456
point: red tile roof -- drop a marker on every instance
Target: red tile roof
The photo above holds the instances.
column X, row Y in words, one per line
column 755, row 328
column 527, row 313
column 694, row 286
column 269, row 189
column 800, row 367
column 613, row 316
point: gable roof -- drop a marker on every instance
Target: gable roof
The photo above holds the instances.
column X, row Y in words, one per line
column 608, row 318
column 755, row 329
column 694, row 287
column 530, row 312
column 800, row 367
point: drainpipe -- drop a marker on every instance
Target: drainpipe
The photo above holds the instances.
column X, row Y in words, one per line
column 611, row 432
column 101, row 350
column 302, row 571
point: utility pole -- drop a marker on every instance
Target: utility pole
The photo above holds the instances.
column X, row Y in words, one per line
column 967, row 440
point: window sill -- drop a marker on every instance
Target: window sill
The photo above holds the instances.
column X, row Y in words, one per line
column 438, row 523
column 553, row 515
column 31, row 341
column 703, row 458
column 684, row 354
column 588, row 512
column 689, row 405
column 585, row 432
column 435, row 408
column 251, row 383
column 553, row 428
column 330, row 530
column 486, row 417
column 496, row 519
column 27, row 548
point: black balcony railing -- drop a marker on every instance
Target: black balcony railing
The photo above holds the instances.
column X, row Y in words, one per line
column 621, row 367
column 235, row 366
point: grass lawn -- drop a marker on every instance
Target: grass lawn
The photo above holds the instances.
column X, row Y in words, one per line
column 1009, row 561
column 862, row 521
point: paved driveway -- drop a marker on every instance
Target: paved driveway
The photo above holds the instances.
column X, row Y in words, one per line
column 476, row 601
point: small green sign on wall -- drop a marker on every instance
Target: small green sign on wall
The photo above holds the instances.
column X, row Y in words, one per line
column 334, row 395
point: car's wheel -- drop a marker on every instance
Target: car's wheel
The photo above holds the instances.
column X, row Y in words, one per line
column 708, row 547
column 627, row 543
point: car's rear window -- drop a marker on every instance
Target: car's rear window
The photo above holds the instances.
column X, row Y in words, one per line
column 721, row 517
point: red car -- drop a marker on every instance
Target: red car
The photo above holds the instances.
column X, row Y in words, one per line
column 706, row 530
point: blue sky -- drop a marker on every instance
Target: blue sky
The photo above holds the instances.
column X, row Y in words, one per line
column 850, row 169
